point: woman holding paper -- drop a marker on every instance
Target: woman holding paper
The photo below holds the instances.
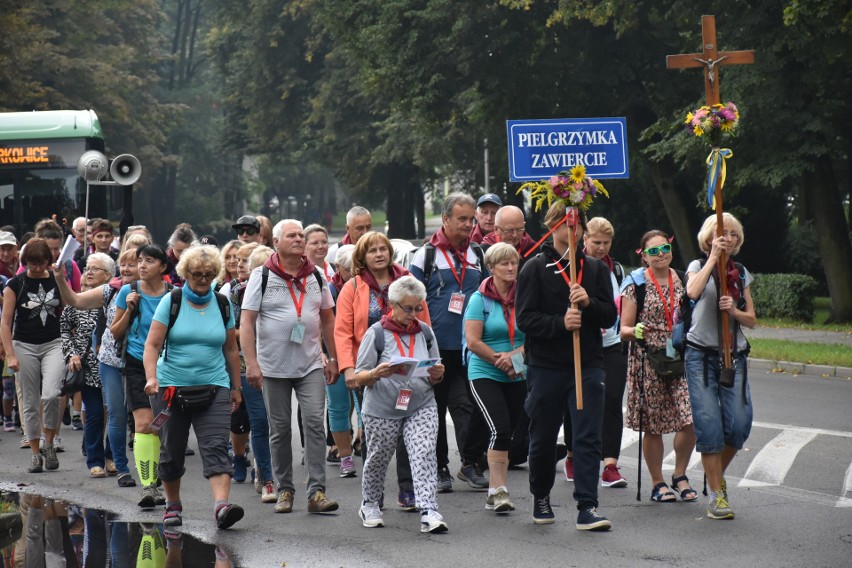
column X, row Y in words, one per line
column 394, row 404
column 496, row 367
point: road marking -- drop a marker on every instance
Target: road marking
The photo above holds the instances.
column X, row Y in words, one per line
column 774, row 460
column 845, row 501
column 772, row 426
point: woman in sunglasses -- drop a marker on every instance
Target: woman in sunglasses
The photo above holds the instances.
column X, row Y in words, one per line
column 398, row 406
column 723, row 411
column 362, row 302
column 657, row 402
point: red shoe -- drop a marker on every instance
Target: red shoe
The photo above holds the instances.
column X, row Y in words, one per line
column 611, row 477
column 569, row 469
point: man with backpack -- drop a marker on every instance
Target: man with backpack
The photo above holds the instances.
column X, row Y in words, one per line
column 286, row 315
column 451, row 268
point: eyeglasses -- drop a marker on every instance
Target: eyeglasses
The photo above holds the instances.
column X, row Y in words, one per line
column 93, row 268
column 513, row 231
column 250, row 231
column 410, row 309
column 662, row 249
column 203, row 275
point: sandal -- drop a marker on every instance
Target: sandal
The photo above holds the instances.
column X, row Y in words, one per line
column 659, row 497
column 689, row 494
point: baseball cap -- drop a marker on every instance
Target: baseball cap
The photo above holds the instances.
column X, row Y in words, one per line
column 7, row 238
column 209, row 240
column 247, row 221
column 489, row 198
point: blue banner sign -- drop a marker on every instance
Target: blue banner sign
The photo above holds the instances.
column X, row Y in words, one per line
column 539, row 149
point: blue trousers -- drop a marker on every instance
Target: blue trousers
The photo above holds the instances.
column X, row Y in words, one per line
column 113, row 384
column 256, row 408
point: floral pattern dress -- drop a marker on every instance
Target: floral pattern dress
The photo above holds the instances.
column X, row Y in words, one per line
column 667, row 407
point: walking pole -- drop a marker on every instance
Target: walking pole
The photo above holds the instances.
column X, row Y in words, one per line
column 641, row 406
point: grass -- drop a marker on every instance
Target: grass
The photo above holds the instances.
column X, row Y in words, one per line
column 832, row 354
column 822, row 309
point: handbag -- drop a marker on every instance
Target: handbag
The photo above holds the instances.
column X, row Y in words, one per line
column 667, row 368
column 196, row 399
column 74, row 381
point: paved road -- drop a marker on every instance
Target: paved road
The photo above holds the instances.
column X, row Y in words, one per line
column 791, row 489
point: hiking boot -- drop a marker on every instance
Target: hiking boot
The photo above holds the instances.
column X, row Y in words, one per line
column 568, row 467
column 611, row 477
column 240, row 465
column 173, row 515
column 159, row 498
column 51, row 462
column 347, row 467
column 499, row 501
column 76, row 422
column 542, row 511
column 227, row 515
column 148, row 498
column 406, row 501
column 285, row 502
column 590, row 520
column 267, row 494
column 319, row 503
column 719, row 508
column 37, row 464
column 432, row 522
column 474, row 476
column 371, row 515
column 445, row 480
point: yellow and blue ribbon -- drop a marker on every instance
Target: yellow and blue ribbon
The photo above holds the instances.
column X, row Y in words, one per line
column 716, row 169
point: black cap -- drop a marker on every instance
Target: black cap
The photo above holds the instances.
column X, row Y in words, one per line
column 247, row 221
column 209, row 240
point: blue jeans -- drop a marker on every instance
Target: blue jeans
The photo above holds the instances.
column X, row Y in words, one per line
column 338, row 405
column 256, row 408
column 721, row 416
column 113, row 384
column 550, row 390
column 93, row 430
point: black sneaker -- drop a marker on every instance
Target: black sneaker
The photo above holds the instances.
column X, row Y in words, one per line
column 542, row 512
column 590, row 520
column 474, row 476
column 445, row 480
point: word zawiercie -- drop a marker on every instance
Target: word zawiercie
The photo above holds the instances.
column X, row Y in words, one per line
column 567, row 160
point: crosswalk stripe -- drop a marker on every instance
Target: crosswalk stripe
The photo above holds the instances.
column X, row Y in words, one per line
column 774, row 460
column 845, row 501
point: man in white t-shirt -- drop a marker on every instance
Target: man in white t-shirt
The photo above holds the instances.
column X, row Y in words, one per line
column 286, row 314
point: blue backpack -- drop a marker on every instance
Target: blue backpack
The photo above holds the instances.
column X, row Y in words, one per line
column 487, row 304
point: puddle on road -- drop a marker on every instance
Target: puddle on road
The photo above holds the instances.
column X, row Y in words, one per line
column 38, row 531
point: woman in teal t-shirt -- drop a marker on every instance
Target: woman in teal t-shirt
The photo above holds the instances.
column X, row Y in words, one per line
column 496, row 368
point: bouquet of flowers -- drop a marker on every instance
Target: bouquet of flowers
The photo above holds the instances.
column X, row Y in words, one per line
column 574, row 189
column 713, row 121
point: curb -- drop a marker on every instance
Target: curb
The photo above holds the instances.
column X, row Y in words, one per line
column 799, row 368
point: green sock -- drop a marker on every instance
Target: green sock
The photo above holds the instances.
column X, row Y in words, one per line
column 146, row 450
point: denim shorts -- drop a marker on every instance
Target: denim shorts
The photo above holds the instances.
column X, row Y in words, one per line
column 721, row 416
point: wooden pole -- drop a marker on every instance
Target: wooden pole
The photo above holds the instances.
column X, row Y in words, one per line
column 723, row 276
column 572, row 271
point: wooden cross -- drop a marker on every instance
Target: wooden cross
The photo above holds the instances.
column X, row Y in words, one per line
column 710, row 59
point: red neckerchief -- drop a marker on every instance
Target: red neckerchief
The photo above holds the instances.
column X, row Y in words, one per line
column 396, row 271
column 346, row 240
column 305, row 271
column 476, row 235
column 733, row 279
column 440, row 241
column 489, row 289
column 389, row 324
column 606, row 260
column 116, row 283
column 494, row 237
column 6, row 270
column 337, row 281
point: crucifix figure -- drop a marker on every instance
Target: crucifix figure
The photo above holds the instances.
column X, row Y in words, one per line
column 709, row 58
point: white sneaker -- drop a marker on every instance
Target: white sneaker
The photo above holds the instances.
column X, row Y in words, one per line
column 268, row 494
column 371, row 515
column 432, row 522
column 57, row 443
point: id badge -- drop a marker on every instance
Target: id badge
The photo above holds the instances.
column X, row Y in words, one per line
column 297, row 335
column 403, row 398
column 159, row 420
column 670, row 350
column 456, row 303
column 518, row 363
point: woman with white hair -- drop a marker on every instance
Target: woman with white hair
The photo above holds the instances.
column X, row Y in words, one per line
column 394, row 404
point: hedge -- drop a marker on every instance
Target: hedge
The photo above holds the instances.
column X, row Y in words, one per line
column 784, row 296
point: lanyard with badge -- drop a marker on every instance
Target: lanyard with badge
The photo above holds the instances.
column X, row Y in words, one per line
column 403, row 398
column 517, row 359
column 456, row 298
column 668, row 309
column 297, row 335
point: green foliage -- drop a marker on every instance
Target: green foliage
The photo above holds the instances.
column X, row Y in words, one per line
column 784, row 296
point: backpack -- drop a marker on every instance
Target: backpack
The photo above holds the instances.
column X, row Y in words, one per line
column 121, row 344
column 264, row 279
column 429, row 258
column 174, row 310
column 618, row 272
column 379, row 337
column 682, row 316
column 487, row 304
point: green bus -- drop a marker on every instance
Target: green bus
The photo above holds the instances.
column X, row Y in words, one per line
column 38, row 170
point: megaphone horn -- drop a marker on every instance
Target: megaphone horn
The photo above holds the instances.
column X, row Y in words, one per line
column 92, row 166
column 125, row 169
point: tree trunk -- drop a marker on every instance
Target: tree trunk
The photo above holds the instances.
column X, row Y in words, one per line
column 401, row 185
column 834, row 243
column 676, row 212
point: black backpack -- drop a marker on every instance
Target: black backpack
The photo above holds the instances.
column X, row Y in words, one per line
column 174, row 310
column 379, row 337
column 121, row 344
column 264, row 279
column 429, row 259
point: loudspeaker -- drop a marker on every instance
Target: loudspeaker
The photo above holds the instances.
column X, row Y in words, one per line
column 125, row 169
column 92, row 166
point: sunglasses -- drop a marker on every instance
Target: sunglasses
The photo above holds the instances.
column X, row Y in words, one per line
column 409, row 309
column 203, row 275
column 251, row 231
column 662, row 249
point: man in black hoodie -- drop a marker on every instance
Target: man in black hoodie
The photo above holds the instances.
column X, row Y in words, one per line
column 543, row 303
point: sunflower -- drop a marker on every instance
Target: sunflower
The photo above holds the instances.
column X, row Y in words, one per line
column 577, row 174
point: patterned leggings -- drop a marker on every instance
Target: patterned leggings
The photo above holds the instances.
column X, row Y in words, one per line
column 420, row 433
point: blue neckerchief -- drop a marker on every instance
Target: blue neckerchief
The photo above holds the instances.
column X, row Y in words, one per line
column 195, row 298
column 636, row 277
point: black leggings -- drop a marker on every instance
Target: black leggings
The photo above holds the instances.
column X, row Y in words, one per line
column 501, row 405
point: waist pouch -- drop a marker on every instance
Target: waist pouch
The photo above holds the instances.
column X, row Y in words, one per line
column 667, row 368
column 195, row 399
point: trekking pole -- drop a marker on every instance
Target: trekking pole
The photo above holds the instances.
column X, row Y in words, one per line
column 641, row 383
